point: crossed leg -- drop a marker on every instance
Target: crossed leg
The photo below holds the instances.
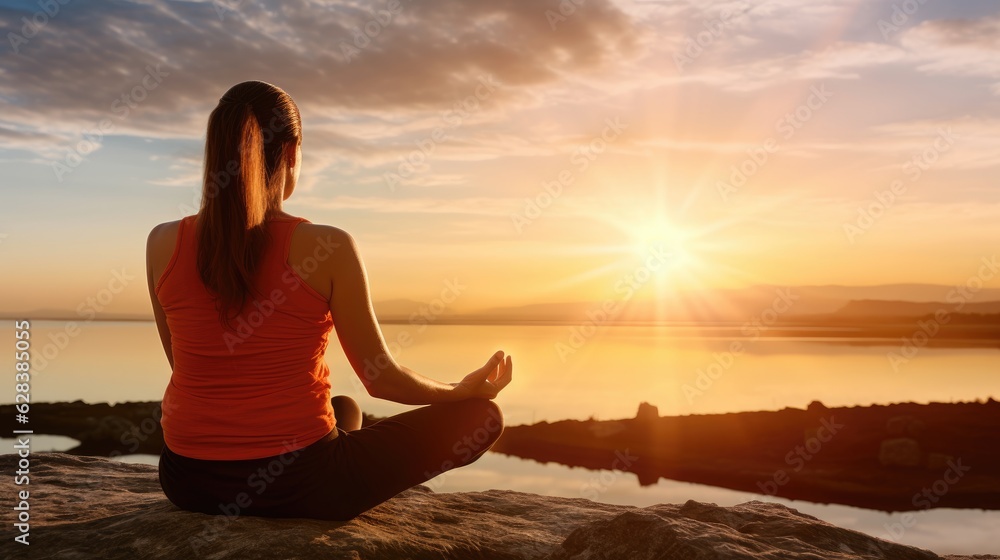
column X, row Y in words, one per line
column 374, row 463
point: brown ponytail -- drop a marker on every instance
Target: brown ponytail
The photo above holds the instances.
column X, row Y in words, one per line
column 245, row 164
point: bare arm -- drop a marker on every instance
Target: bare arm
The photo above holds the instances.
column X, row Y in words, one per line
column 158, row 314
column 362, row 341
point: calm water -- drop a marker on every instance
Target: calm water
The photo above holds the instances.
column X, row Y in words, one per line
column 606, row 377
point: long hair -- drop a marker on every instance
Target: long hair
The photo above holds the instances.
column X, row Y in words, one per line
column 245, row 166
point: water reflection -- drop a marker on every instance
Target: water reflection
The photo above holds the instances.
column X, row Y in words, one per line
column 944, row 531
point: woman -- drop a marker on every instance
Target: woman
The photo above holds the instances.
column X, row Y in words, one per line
column 244, row 297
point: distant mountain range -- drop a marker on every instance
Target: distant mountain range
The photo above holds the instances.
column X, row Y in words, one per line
column 799, row 303
column 876, row 308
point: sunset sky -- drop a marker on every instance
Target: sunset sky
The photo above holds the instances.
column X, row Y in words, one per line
column 740, row 139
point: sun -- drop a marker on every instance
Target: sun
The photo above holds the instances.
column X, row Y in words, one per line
column 672, row 253
column 669, row 244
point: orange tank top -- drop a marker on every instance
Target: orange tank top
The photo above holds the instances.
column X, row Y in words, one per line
column 260, row 390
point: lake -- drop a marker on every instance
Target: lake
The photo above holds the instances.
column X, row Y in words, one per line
column 605, row 375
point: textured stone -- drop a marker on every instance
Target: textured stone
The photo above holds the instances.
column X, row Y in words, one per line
column 88, row 507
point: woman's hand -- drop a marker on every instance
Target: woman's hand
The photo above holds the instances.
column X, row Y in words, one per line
column 487, row 381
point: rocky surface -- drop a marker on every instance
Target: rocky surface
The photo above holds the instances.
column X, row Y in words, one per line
column 88, row 507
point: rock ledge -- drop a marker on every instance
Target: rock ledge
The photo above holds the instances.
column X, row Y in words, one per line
column 89, row 507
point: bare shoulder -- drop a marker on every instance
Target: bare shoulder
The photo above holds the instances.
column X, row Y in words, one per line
column 321, row 241
column 161, row 240
column 161, row 231
column 318, row 252
column 160, row 247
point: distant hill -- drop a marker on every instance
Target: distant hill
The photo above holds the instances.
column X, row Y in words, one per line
column 743, row 304
column 398, row 310
column 875, row 308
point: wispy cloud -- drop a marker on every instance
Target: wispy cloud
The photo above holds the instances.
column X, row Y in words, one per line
column 958, row 47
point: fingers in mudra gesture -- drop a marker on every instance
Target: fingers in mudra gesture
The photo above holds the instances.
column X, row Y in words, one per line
column 487, row 381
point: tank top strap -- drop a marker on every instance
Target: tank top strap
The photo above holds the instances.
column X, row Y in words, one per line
column 284, row 229
column 279, row 247
column 186, row 223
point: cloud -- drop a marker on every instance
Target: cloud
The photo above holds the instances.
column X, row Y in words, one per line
column 369, row 82
column 958, row 47
column 976, row 145
column 745, row 47
column 428, row 56
column 35, row 141
column 842, row 60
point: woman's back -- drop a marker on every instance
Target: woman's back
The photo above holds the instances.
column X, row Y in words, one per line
column 244, row 297
column 260, row 388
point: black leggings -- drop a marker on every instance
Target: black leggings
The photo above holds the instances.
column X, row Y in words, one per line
column 344, row 473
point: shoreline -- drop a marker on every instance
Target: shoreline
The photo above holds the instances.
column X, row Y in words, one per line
column 900, row 457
